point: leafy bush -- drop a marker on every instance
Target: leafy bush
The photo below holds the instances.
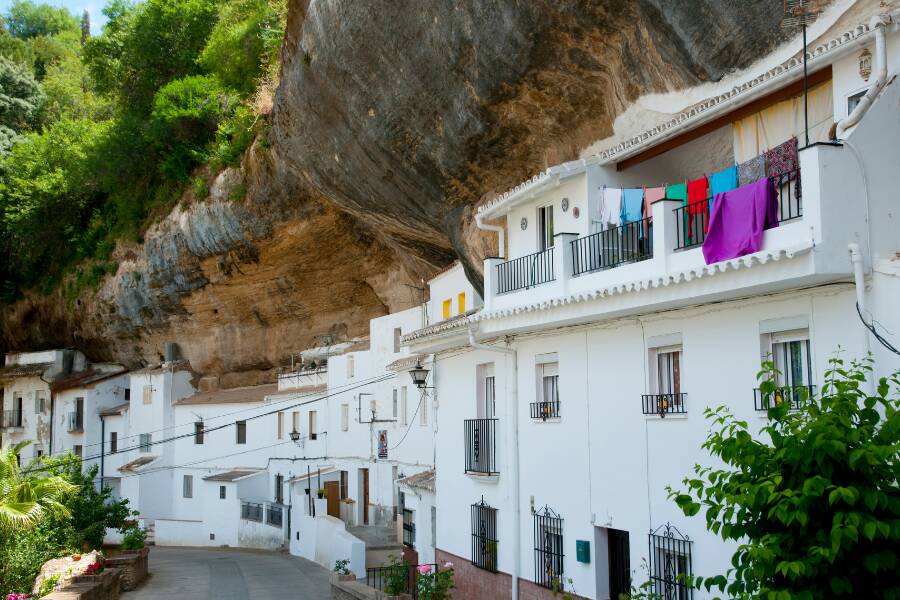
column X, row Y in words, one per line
column 396, row 578
column 342, row 567
column 26, row 20
column 814, row 505
column 21, row 96
column 134, row 538
column 47, row 585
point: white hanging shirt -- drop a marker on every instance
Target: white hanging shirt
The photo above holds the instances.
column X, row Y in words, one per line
column 611, row 208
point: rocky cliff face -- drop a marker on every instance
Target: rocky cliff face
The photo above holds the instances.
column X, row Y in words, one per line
column 391, row 122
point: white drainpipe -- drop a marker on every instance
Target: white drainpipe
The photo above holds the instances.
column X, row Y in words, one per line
column 514, row 455
column 878, row 23
column 856, row 259
column 501, row 233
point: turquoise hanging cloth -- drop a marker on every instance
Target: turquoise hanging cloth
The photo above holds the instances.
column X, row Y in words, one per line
column 632, row 205
column 721, row 182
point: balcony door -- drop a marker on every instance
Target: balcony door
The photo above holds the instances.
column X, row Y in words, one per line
column 487, row 392
column 545, row 227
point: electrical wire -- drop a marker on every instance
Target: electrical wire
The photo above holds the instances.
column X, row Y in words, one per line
column 875, row 334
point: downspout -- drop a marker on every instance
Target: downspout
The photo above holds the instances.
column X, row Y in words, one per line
column 102, row 449
column 501, row 234
column 856, row 259
column 878, row 23
column 514, row 455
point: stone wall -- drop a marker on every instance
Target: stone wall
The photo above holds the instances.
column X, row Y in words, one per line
column 473, row 583
column 133, row 566
column 103, row 586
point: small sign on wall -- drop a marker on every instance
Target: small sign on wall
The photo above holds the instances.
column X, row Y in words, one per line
column 382, row 443
column 583, row 551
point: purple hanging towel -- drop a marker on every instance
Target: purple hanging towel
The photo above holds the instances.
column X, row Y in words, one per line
column 738, row 220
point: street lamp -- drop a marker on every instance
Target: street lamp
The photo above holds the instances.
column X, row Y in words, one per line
column 295, row 436
column 419, row 375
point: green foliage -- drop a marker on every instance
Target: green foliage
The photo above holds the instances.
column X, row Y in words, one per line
column 48, row 584
column 26, row 20
column 234, row 135
column 342, row 567
column 24, row 551
column 20, row 96
column 814, row 504
column 134, row 538
column 93, row 509
column 244, row 42
column 201, row 190
column 28, row 496
column 396, row 577
column 434, row 584
column 147, row 45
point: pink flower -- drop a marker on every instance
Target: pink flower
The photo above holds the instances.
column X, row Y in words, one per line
column 448, row 565
column 424, row 569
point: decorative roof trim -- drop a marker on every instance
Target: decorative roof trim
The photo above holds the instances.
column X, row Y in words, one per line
column 743, row 262
column 449, row 325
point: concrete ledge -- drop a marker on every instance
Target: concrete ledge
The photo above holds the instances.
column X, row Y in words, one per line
column 103, row 586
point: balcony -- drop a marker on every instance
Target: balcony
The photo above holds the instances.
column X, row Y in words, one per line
column 274, row 515
column 252, row 511
column 664, row 404
column 525, row 272
column 481, row 446
column 795, row 395
column 545, row 410
column 10, row 419
column 658, row 263
column 75, row 422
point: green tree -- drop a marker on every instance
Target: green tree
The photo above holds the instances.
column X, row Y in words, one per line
column 26, row 20
column 27, row 496
column 92, row 508
column 813, row 503
column 20, row 96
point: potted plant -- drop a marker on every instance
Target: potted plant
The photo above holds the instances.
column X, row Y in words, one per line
column 342, row 570
column 434, row 584
column 320, row 493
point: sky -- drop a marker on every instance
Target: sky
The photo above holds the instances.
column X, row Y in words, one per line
column 76, row 7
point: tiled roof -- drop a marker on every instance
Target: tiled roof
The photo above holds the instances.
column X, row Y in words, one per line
column 255, row 393
column 232, row 475
column 303, row 389
column 402, row 364
column 141, row 461
column 114, row 410
column 84, row 378
column 451, row 324
column 29, row 370
column 423, row 481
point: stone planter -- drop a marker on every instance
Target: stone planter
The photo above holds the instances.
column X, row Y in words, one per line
column 337, row 578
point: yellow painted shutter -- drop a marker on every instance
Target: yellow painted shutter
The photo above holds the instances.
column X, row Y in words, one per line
column 461, row 300
column 448, row 305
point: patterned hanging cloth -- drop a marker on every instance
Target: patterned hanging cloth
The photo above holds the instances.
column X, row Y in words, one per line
column 783, row 165
column 752, row 170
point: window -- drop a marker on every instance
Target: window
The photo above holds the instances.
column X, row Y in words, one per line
column 790, row 353
column 409, row 528
column 148, row 394
column 241, row 429
column 145, row 440
column 484, row 536
column 447, row 308
column 853, row 100
column 76, row 450
column 295, row 421
column 433, row 526
column 279, row 489
column 350, row 367
column 344, row 479
column 670, row 563
column 548, row 548
column 222, row 492
column 395, row 404
column 113, row 442
column 198, row 432
column 313, row 431
column 345, row 417
column 545, row 227
column 127, row 394
column 461, row 302
column 187, row 486
column 38, row 452
column 40, row 403
column 404, row 419
column 280, row 419
column 423, row 410
column 665, row 381
column 397, row 333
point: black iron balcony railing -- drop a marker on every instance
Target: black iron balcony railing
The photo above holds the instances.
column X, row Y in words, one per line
column 378, row 577
column 10, row 418
column 75, row 422
column 796, row 395
column 692, row 220
column 664, row 404
column 274, row 515
column 252, row 511
column 525, row 272
column 631, row 242
column 545, row 410
column 409, row 529
column 481, row 446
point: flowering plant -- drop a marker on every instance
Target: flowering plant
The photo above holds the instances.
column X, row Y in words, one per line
column 92, row 568
column 17, row 597
column 434, row 584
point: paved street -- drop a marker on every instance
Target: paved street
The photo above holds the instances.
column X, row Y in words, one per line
column 230, row 574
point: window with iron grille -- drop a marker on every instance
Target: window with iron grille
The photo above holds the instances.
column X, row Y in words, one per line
column 547, row 405
column 665, row 382
column 198, row 432
column 187, row 486
column 484, row 536
column 670, row 563
column 790, row 352
column 222, row 492
column 409, row 528
column 145, row 440
column 113, row 442
column 548, row 548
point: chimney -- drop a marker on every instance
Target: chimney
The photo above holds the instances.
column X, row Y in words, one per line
column 171, row 352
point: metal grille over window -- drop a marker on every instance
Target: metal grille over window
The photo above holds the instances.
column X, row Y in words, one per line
column 484, row 536
column 668, row 397
column 548, row 548
column 670, row 563
column 547, row 406
column 409, row 529
column 481, row 452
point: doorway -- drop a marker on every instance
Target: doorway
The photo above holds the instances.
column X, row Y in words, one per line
column 333, row 496
column 364, row 505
